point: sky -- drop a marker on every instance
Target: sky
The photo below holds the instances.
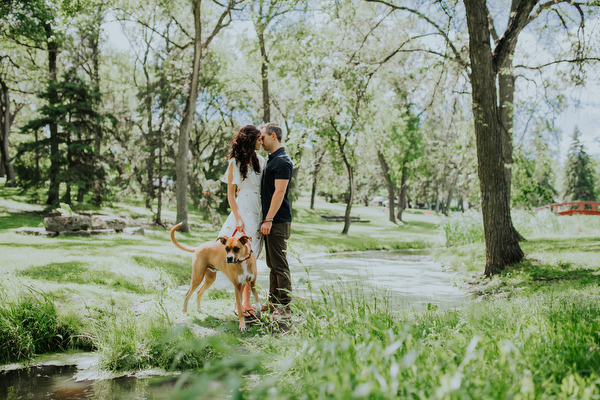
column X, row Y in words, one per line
column 583, row 108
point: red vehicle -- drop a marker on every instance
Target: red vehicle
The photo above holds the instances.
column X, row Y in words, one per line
column 573, row 207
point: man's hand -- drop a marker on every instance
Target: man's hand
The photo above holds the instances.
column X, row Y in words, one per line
column 265, row 227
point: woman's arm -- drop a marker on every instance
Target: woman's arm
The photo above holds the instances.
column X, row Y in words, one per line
column 231, row 191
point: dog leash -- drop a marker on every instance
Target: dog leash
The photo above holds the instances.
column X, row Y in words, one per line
column 236, row 231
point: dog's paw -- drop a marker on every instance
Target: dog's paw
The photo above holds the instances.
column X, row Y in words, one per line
column 243, row 329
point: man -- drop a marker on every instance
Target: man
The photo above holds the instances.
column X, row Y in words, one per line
column 276, row 225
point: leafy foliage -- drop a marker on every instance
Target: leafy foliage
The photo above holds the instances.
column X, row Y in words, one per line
column 579, row 174
column 81, row 130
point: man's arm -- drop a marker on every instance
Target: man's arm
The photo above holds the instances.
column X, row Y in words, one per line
column 276, row 200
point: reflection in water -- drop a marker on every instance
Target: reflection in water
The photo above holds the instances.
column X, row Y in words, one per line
column 57, row 383
column 409, row 279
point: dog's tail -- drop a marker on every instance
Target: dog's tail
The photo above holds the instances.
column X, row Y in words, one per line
column 176, row 243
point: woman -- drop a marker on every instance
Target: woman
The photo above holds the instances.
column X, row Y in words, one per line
column 245, row 172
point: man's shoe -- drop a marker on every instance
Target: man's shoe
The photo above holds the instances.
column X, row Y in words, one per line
column 282, row 312
column 270, row 308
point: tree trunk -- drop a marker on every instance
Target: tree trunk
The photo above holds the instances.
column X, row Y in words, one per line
column 502, row 248
column 53, row 192
column 315, row 174
column 451, row 191
column 264, row 73
column 158, row 219
column 186, row 124
column 351, row 197
column 506, row 92
column 402, row 196
column 391, row 185
column 6, row 120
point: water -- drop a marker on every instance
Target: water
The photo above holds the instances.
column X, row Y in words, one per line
column 57, row 383
column 409, row 279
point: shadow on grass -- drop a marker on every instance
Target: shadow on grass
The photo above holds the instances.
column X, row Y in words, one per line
column 13, row 220
column 585, row 244
column 563, row 271
column 80, row 273
column 180, row 269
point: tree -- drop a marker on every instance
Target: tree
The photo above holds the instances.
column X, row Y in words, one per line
column 33, row 26
column 78, row 126
column 579, row 172
column 485, row 64
column 264, row 12
column 502, row 244
column 6, row 120
column 189, row 111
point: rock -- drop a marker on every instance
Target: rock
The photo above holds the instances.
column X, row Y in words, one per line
column 102, row 231
column 35, row 232
column 76, row 233
column 134, row 231
column 108, row 222
column 66, row 223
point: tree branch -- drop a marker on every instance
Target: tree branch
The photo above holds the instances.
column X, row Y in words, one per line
column 572, row 61
column 431, row 22
column 508, row 42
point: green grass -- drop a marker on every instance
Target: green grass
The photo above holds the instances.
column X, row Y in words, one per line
column 543, row 346
column 77, row 272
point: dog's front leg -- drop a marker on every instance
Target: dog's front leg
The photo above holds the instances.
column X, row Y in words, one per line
column 240, row 309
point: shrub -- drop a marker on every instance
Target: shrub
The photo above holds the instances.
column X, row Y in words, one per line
column 463, row 228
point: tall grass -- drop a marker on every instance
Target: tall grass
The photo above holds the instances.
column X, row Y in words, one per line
column 29, row 325
column 543, row 346
column 128, row 342
column 466, row 228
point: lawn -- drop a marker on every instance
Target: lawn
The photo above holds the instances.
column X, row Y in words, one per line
column 531, row 332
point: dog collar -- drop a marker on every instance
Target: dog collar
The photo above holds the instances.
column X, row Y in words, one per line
column 247, row 257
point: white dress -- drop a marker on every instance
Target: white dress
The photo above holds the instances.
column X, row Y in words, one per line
column 249, row 207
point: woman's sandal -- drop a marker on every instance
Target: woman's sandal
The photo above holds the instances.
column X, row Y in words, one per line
column 247, row 313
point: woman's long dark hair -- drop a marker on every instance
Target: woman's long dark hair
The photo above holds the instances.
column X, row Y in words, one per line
column 242, row 147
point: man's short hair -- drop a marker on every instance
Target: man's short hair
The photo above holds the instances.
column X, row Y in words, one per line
column 273, row 128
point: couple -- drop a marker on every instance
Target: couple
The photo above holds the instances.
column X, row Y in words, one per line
column 262, row 208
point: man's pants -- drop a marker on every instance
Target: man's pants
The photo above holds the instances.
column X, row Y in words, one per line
column 280, row 283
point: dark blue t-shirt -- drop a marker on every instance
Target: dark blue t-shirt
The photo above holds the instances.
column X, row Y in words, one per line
column 279, row 166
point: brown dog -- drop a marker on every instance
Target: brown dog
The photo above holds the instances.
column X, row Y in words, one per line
column 232, row 256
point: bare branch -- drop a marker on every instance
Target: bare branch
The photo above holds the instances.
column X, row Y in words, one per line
column 518, row 20
column 369, row 34
column 220, row 24
column 572, row 61
column 431, row 22
column 492, row 27
column 154, row 30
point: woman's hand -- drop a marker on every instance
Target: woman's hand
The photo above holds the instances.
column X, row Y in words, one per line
column 239, row 224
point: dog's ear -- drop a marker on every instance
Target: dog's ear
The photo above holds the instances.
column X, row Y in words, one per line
column 245, row 239
column 223, row 240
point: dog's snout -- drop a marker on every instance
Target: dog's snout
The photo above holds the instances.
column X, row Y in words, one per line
column 230, row 259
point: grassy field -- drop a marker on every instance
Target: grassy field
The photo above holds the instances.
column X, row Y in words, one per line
column 531, row 332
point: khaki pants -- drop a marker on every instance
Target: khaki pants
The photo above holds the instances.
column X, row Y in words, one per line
column 280, row 283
